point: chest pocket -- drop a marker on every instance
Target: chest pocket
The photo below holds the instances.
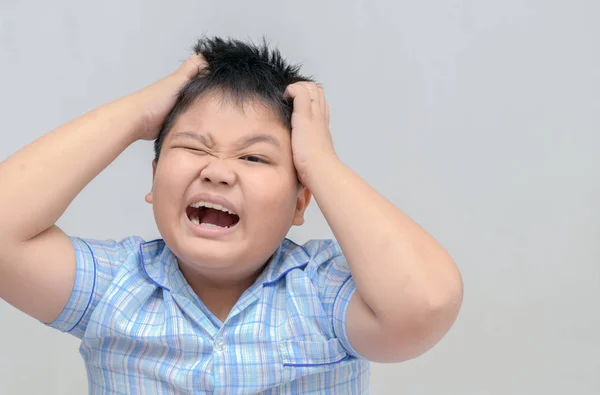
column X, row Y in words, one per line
column 306, row 340
column 306, row 353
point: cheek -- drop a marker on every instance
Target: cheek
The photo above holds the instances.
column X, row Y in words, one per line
column 172, row 178
column 275, row 201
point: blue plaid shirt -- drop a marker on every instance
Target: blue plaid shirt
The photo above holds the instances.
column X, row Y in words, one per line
column 144, row 330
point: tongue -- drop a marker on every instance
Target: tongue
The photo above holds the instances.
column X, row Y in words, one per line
column 217, row 217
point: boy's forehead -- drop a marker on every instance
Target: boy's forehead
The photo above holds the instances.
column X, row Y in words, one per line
column 216, row 114
column 213, row 123
column 228, row 105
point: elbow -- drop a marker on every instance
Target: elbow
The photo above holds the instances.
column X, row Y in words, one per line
column 419, row 334
column 423, row 323
column 445, row 298
column 442, row 306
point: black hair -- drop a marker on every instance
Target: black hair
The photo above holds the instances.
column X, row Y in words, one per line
column 239, row 71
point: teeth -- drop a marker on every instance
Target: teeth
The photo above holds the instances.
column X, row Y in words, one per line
column 196, row 221
column 212, row 225
column 211, row 205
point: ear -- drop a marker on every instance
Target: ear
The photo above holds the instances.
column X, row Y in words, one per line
column 302, row 201
column 149, row 194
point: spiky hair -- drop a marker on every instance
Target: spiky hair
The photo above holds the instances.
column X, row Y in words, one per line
column 237, row 71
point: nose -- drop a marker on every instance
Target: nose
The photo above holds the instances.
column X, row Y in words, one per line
column 217, row 172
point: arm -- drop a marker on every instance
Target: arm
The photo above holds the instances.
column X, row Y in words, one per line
column 37, row 260
column 409, row 290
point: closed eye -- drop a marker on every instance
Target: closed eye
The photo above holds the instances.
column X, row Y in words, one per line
column 197, row 151
column 255, row 159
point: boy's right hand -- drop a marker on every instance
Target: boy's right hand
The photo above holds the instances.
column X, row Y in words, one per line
column 158, row 99
column 37, row 259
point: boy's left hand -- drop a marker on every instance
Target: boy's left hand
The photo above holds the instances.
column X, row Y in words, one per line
column 311, row 140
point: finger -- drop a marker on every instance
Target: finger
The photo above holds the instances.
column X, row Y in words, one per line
column 324, row 107
column 313, row 92
column 315, row 98
column 322, row 100
column 319, row 103
column 192, row 66
column 301, row 97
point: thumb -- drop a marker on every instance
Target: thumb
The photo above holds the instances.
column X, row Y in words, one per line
column 192, row 66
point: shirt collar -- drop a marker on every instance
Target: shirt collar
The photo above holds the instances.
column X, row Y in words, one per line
column 161, row 266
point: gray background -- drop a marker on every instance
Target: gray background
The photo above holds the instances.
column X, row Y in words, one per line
column 478, row 118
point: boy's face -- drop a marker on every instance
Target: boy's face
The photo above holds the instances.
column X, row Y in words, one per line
column 219, row 153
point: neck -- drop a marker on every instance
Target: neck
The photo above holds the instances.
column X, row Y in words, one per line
column 219, row 295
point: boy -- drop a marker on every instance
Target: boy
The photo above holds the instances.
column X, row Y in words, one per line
column 223, row 303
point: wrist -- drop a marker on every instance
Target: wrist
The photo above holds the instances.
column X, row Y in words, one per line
column 320, row 170
column 124, row 117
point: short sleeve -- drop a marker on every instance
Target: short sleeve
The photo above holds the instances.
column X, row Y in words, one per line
column 97, row 263
column 329, row 271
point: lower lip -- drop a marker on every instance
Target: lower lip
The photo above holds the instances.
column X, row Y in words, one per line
column 209, row 231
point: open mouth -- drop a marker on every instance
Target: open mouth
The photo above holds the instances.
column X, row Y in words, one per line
column 211, row 215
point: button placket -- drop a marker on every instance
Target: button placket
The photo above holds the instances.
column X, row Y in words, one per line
column 220, row 344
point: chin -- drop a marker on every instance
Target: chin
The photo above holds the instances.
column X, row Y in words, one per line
column 212, row 253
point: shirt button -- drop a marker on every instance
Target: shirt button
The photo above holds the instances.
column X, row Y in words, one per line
column 220, row 344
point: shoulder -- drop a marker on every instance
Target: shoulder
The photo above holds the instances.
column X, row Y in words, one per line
column 107, row 256
column 321, row 260
column 108, row 248
column 321, row 250
column 316, row 250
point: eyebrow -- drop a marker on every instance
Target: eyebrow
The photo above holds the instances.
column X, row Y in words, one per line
column 206, row 140
column 243, row 144
column 258, row 138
